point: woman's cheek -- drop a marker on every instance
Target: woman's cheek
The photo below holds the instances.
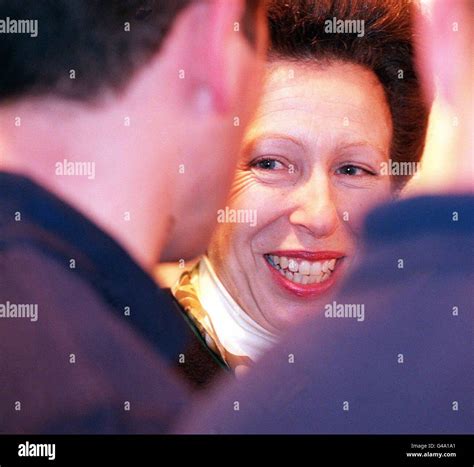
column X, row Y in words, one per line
column 248, row 193
column 233, row 234
column 356, row 206
column 244, row 182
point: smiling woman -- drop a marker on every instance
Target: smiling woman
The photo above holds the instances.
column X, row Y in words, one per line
column 337, row 108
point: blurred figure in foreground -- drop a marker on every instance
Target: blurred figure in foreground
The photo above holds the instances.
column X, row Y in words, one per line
column 393, row 352
column 107, row 123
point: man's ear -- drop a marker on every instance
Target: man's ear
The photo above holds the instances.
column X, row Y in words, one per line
column 439, row 51
column 211, row 53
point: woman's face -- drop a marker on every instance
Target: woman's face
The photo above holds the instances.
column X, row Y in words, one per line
column 309, row 171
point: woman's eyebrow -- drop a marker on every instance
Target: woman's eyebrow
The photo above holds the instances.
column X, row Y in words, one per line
column 362, row 144
column 260, row 138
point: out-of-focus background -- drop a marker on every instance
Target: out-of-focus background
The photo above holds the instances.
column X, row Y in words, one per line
column 441, row 138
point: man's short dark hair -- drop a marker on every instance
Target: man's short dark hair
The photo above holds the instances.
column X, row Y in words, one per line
column 86, row 46
column 299, row 32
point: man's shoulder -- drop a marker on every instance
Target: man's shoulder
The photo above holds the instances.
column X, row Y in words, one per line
column 65, row 351
column 31, row 275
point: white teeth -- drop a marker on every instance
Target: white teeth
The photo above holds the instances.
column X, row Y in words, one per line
column 293, row 265
column 315, row 269
column 304, row 267
column 297, row 278
column 303, row 271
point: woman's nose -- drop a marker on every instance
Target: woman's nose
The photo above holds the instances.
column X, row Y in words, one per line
column 315, row 209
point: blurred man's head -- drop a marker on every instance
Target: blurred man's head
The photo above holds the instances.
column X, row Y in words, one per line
column 155, row 93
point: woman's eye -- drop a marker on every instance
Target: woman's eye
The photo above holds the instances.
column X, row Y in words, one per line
column 268, row 164
column 353, row 170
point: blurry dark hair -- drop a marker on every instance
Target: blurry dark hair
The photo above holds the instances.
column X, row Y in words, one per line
column 297, row 31
column 89, row 37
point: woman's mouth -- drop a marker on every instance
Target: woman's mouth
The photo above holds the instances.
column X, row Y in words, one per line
column 305, row 273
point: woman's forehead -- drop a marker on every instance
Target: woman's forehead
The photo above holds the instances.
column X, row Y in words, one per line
column 338, row 103
column 339, row 82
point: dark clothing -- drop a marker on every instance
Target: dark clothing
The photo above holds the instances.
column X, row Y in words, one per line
column 405, row 368
column 99, row 357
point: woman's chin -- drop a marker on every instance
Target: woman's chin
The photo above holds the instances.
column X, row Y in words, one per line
column 294, row 316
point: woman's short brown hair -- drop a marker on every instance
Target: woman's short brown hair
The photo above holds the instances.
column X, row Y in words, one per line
column 299, row 32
